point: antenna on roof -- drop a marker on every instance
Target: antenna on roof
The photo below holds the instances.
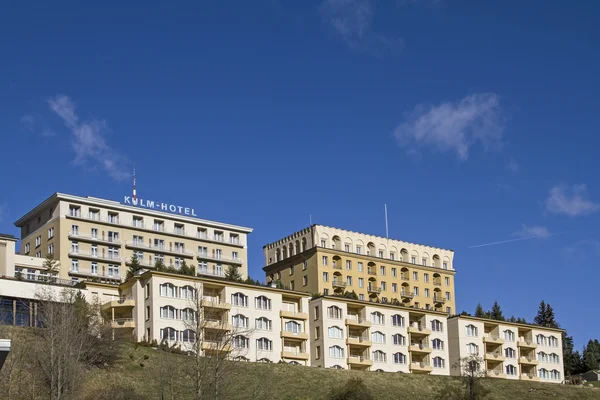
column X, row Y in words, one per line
column 386, row 222
column 134, row 191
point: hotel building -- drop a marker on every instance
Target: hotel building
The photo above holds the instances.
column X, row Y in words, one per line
column 362, row 335
column 322, row 259
column 508, row 350
column 95, row 239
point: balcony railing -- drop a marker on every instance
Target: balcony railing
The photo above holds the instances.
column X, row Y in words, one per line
column 158, row 248
column 217, row 258
column 335, row 266
column 421, row 346
column 45, row 279
column 339, row 284
column 355, row 317
column 371, row 272
column 408, row 295
column 83, row 253
column 213, row 272
column 374, row 289
column 420, row 364
column 437, row 299
column 81, row 236
column 404, row 278
column 437, row 283
column 359, row 339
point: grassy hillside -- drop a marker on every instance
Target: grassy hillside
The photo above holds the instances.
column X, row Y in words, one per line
column 161, row 375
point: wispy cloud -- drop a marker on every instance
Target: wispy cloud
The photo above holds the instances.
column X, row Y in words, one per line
column 513, row 166
column 33, row 123
column 573, row 201
column 454, row 126
column 88, row 140
column 532, row 232
column 353, row 21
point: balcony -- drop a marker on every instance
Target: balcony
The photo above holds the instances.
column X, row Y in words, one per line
column 294, row 354
column 359, row 341
column 492, row 339
column 219, row 259
column 357, row 320
column 527, row 344
column 529, row 377
column 112, row 279
column 136, row 244
column 439, row 300
column 294, row 335
column 212, row 271
column 404, row 278
column 418, row 329
column 94, row 239
column 219, row 324
column 120, row 302
column 111, row 258
column 46, row 279
column 490, row 373
column 111, row 220
column 498, row 357
column 420, row 367
column 214, row 302
column 407, row 295
column 371, row 272
column 339, row 284
column 213, row 346
column 528, row 360
column 141, row 261
column 437, row 283
column 419, row 348
column 373, row 289
column 335, row 266
column 293, row 314
column 359, row 360
column 117, row 323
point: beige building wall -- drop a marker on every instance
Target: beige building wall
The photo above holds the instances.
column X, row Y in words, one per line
column 361, row 335
column 328, row 260
column 96, row 238
column 508, row 350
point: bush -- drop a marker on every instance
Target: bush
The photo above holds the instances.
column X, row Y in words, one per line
column 354, row 389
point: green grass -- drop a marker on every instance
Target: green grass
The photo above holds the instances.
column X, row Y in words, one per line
column 281, row 381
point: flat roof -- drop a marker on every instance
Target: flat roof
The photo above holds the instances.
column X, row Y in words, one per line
column 372, row 303
column 497, row 321
column 96, row 201
column 6, row 236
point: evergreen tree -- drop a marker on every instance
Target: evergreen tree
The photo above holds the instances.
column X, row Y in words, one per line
column 479, row 311
column 521, row 320
column 50, row 264
column 591, row 355
column 134, row 266
column 160, row 266
column 540, row 318
column 512, row 319
column 496, row 312
column 189, row 270
column 572, row 360
column 232, row 274
column 549, row 315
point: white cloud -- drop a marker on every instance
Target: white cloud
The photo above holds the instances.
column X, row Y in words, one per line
column 454, row 126
column 353, row 20
column 32, row 123
column 572, row 201
column 532, row 232
column 88, row 140
column 513, row 166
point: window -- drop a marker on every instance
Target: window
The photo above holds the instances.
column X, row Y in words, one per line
column 541, row 339
column 75, row 265
column 187, row 314
column 51, row 248
column 50, row 233
column 349, row 281
column 415, row 276
column 168, row 334
column 94, row 268
column 543, row 373
column 542, row 356
column 336, row 352
column 179, row 247
column 325, row 260
column 471, row 330
column 424, row 261
column 74, row 211
column 263, row 324
column 437, row 344
column 264, row 344
column 426, row 292
column 323, row 243
column 348, row 264
column 239, row 300
column 159, row 258
column 293, row 327
column 399, row 358
column 113, row 253
column 158, row 225
column 178, row 262
column 168, row 312
column 447, row 295
column 317, row 333
column 554, row 374
column 437, row 326
column 241, row 342
column 167, row 290
column 413, row 260
column 361, row 296
column 377, row 318
column 305, row 280
column 392, row 256
column 399, row 339
column 394, row 287
column 426, row 277
column 347, row 247
column 511, row 370
column 291, row 270
column 554, row 358
column 334, row 312
column 188, row 336
column 325, row 276
column 383, row 286
column 552, row 341
column 27, row 248
column 382, row 270
column 379, row 356
column 397, row 320
column 239, row 321
column 38, row 241
column 335, row 332
column 262, row 303
column 360, row 266
column 509, row 352
column 445, row 265
column 378, row 337
column 358, row 250
column 113, row 270
column 509, row 336
column 438, row 362
column 416, row 291
column 447, row 281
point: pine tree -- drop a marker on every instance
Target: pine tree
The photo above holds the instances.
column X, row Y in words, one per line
column 512, row 319
column 549, row 316
column 521, row 320
column 540, row 318
column 232, row 274
column 496, row 312
column 50, row 264
column 479, row 311
column 134, row 266
column 572, row 360
column 591, row 355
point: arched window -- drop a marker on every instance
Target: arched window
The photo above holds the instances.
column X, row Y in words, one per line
column 262, row 303
column 552, row 341
column 509, row 352
column 239, row 321
column 397, row 320
column 399, row 339
column 303, row 244
column 472, row 349
column 437, row 344
column 278, row 255
column 554, row 374
column 336, row 332
column 187, row 292
column 241, row 342
column 511, row 370
column 187, row 314
column 509, row 336
column 293, row 327
column 437, row 326
column 377, row 337
column 168, row 334
column 291, row 247
column 263, row 324
column 377, row 318
column 334, row 312
column 336, row 352
column 554, row 358
column 541, row 339
column 379, row 356
column 264, row 344
column 399, row 358
column 239, row 300
column 438, row 362
column 543, row 373
column 284, row 252
column 294, row 363
column 168, row 290
column 188, row 336
column 298, row 247
column 168, row 312
column 471, row 330
column 542, row 356
column 265, row 361
column 337, row 367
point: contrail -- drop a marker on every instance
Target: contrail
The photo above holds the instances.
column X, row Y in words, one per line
column 516, row 240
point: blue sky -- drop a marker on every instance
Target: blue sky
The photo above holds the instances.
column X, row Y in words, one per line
column 476, row 122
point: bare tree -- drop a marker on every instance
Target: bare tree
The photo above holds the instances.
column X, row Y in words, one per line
column 468, row 386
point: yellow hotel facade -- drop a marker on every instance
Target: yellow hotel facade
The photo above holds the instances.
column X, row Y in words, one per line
column 328, row 260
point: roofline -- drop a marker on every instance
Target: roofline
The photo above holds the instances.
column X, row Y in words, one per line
column 116, row 205
column 6, row 236
column 496, row 321
column 366, row 303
